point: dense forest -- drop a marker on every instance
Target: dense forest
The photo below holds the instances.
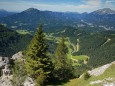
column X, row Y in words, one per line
column 12, row 42
column 98, row 45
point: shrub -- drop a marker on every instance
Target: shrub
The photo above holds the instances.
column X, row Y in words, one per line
column 87, row 76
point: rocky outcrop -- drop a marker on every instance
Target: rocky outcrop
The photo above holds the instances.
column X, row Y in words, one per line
column 3, row 61
column 110, row 81
column 5, row 82
column 100, row 70
column 17, row 56
column 29, row 82
column 5, row 79
column 104, row 82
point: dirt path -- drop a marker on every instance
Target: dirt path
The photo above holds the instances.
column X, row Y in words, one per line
column 108, row 40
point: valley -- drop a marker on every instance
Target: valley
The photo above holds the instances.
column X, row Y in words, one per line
column 62, row 48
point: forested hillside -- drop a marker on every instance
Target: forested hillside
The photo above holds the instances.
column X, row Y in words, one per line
column 12, row 42
column 99, row 46
column 4, row 13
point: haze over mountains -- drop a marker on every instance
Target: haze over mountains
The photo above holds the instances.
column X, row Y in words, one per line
column 103, row 19
column 104, row 11
column 4, row 13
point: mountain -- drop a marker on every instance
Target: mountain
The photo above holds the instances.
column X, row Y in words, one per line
column 30, row 18
column 104, row 11
column 12, row 42
column 103, row 18
column 31, row 10
column 4, row 13
column 54, row 21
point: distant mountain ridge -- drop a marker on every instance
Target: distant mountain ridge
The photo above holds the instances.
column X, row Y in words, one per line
column 4, row 13
column 30, row 18
column 104, row 11
column 2, row 10
column 31, row 9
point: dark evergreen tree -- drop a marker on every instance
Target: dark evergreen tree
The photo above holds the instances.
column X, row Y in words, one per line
column 38, row 64
column 63, row 69
column 61, row 53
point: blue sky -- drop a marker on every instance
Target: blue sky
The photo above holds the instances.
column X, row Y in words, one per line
column 57, row 5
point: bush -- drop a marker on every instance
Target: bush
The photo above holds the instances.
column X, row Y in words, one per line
column 19, row 74
column 40, row 80
column 87, row 76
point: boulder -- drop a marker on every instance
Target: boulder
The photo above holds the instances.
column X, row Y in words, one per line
column 4, row 61
column 17, row 56
column 29, row 82
column 6, row 82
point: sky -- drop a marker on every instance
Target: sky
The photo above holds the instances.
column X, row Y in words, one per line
column 57, row 5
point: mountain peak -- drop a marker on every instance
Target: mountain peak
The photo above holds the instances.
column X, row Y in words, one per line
column 104, row 11
column 31, row 9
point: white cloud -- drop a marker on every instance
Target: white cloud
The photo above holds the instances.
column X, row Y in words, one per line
column 110, row 1
column 109, row 4
column 19, row 6
column 93, row 2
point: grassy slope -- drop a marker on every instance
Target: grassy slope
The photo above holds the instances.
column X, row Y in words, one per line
column 80, row 57
column 23, row 32
column 109, row 73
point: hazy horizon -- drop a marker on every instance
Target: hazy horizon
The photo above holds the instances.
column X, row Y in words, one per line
column 57, row 5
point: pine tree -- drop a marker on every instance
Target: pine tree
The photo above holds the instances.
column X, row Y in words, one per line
column 38, row 64
column 61, row 53
column 63, row 69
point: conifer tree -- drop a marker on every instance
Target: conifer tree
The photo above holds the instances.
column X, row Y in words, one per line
column 38, row 65
column 63, row 69
column 61, row 53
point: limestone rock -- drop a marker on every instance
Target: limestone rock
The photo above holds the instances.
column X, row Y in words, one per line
column 104, row 82
column 3, row 61
column 29, row 82
column 100, row 70
column 5, row 82
column 17, row 56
